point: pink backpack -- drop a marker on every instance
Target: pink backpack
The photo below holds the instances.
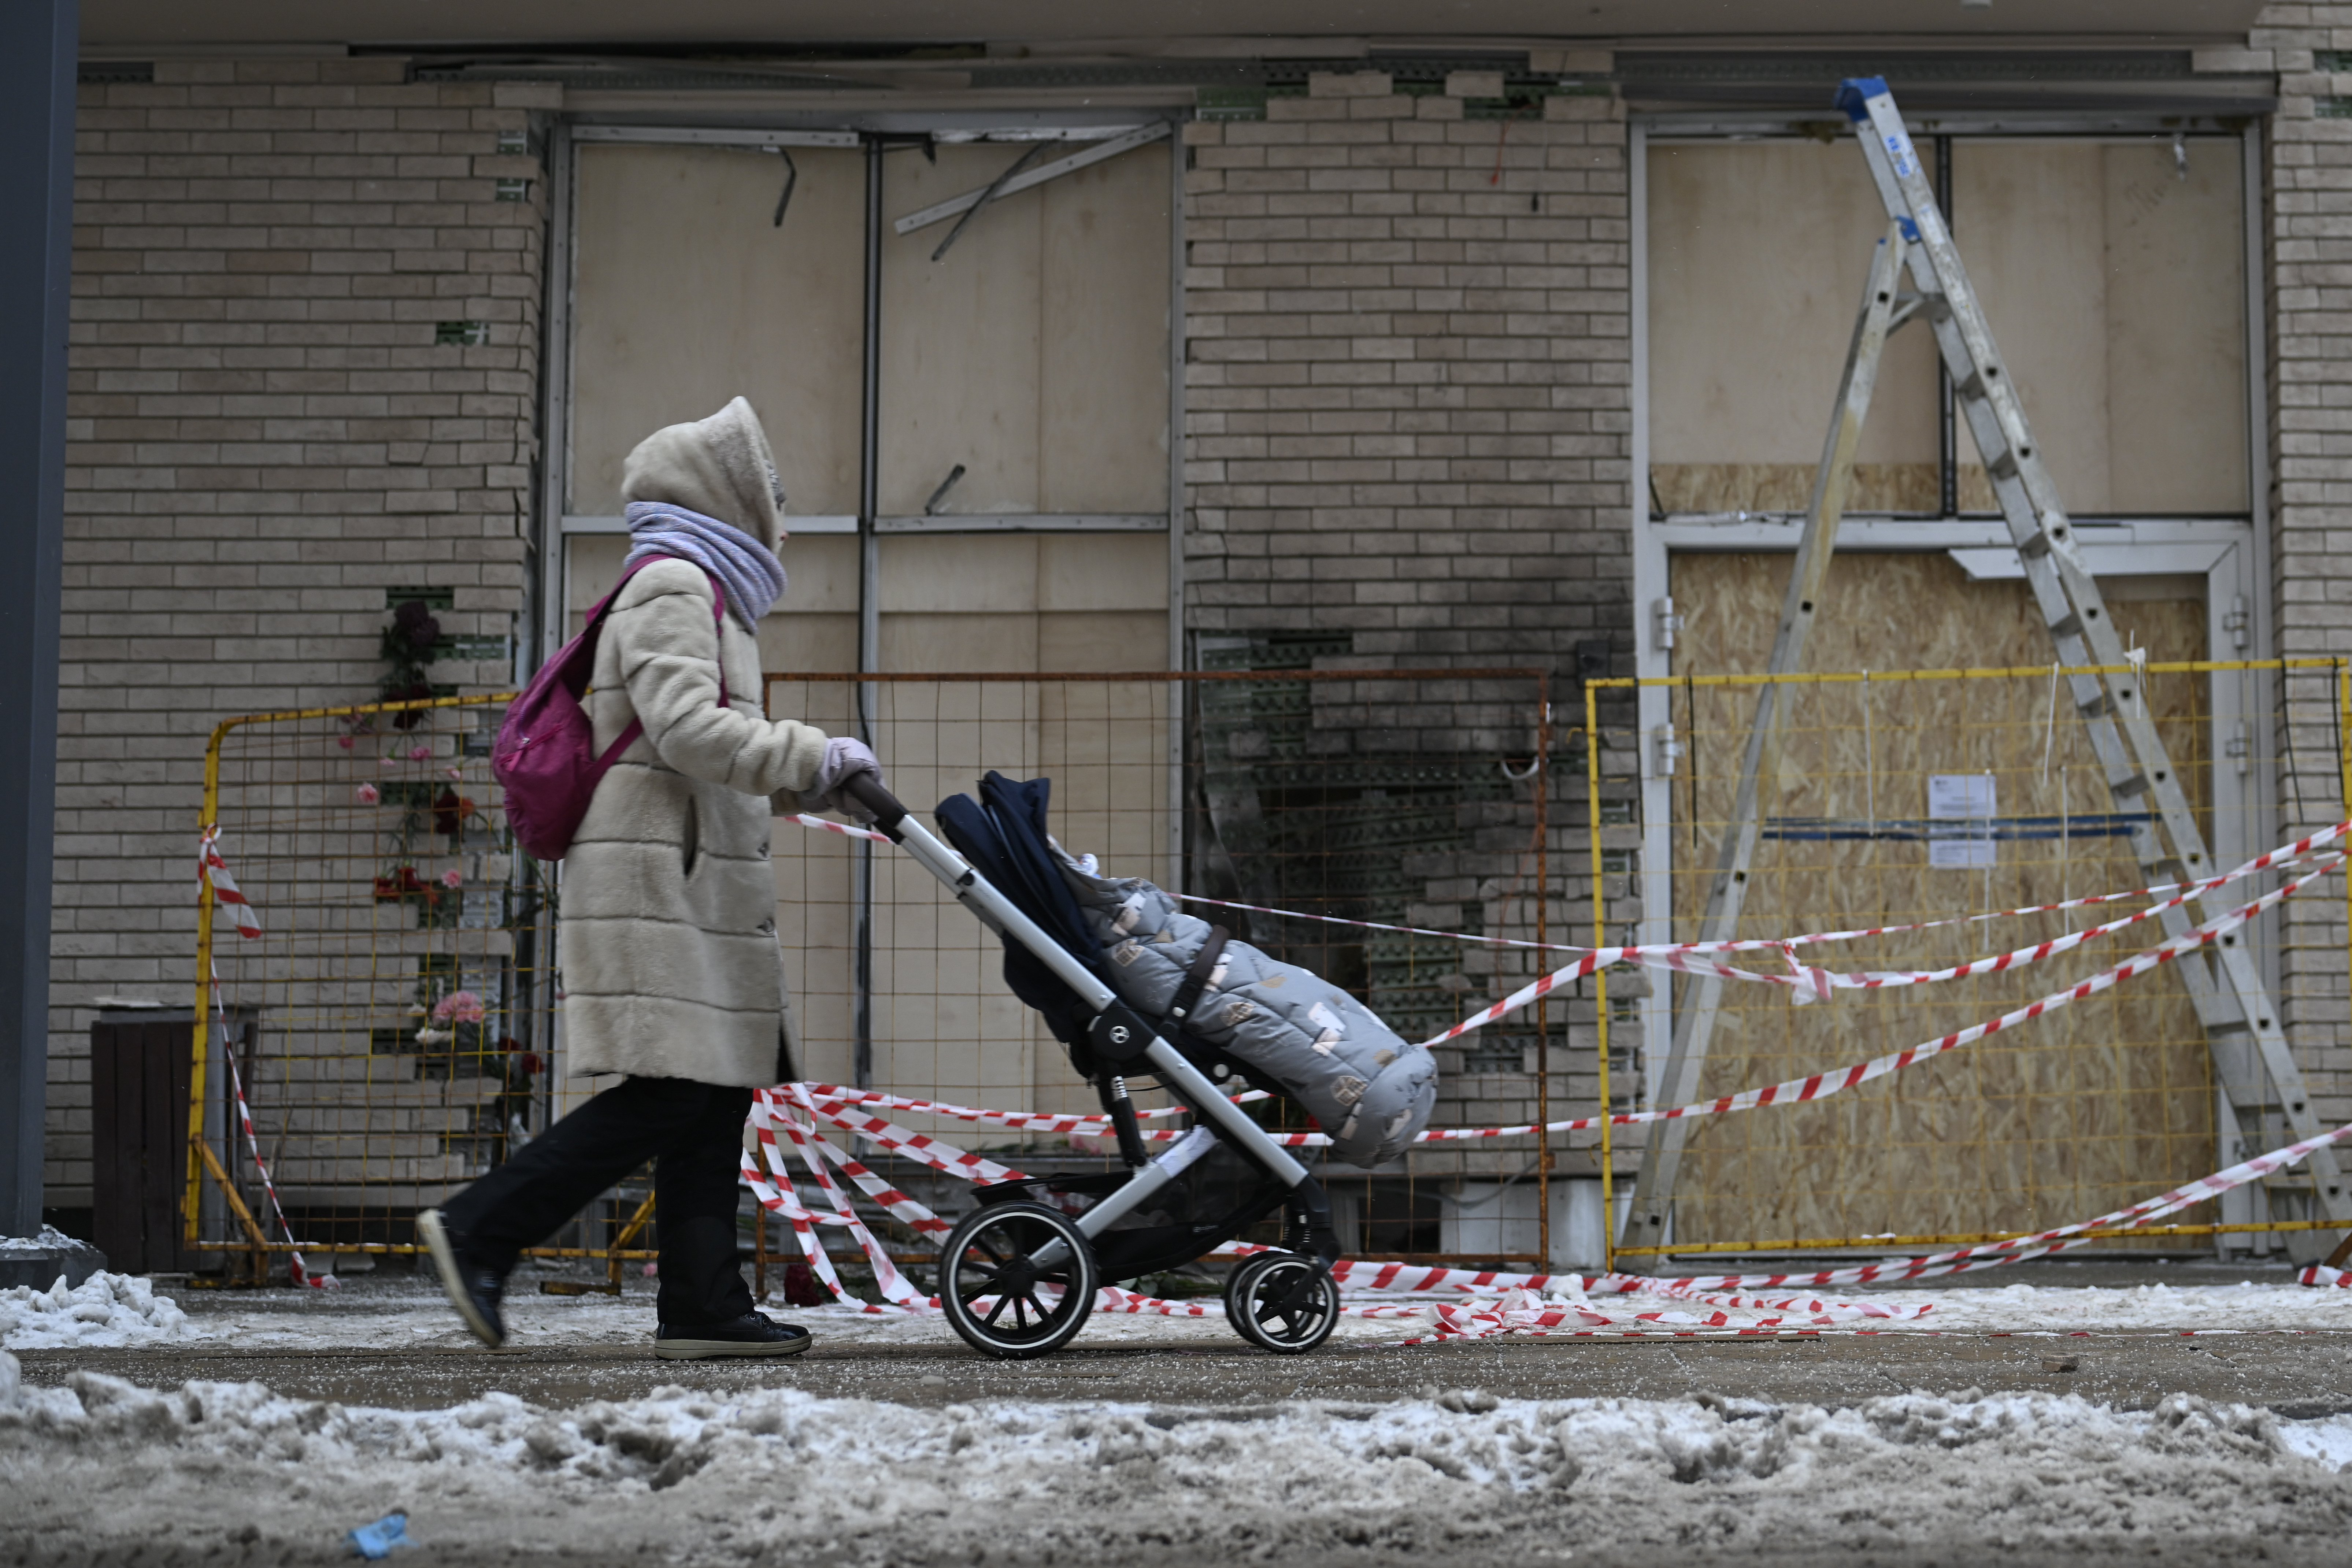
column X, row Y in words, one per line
column 545, row 757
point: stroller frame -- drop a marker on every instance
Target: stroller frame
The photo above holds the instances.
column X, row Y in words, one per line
column 1035, row 1263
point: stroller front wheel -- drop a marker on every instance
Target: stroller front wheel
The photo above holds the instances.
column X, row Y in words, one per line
column 1017, row 1279
column 1282, row 1303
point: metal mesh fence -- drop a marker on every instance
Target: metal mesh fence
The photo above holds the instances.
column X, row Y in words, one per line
column 400, row 994
column 403, row 1003
column 1358, row 796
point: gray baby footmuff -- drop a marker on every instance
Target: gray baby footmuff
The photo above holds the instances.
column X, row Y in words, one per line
column 1365, row 1086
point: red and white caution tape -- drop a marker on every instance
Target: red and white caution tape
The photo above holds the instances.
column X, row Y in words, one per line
column 936, row 1153
column 781, row 1199
column 1805, row 983
column 1021, row 1120
column 813, row 1149
column 303, row 1275
column 1716, row 1295
column 1814, row 1086
column 212, row 871
column 2284, row 855
column 2320, row 1274
column 1523, row 1311
column 1990, row 1255
column 1819, row 1086
column 804, row 819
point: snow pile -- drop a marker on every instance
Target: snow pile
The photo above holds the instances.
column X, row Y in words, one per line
column 106, row 1310
column 1567, row 1309
column 696, row 1476
column 2205, row 1308
column 51, row 1239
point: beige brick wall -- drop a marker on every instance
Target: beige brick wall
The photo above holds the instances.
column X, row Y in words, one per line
column 264, row 438
column 1409, row 373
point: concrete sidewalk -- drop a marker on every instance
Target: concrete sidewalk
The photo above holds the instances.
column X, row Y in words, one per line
column 2296, row 1375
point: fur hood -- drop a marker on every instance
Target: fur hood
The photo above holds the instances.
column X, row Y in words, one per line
column 720, row 466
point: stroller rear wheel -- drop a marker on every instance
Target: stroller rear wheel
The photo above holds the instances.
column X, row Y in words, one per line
column 1282, row 1303
column 1002, row 1299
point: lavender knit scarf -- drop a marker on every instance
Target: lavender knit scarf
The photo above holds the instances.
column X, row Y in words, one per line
column 749, row 571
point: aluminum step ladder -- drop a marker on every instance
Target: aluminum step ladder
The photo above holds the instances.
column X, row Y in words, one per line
column 2257, row 1073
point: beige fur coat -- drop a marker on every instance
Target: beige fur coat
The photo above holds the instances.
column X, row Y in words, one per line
column 671, row 967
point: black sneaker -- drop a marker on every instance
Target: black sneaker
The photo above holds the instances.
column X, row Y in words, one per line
column 753, row 1334
column 474, row 1286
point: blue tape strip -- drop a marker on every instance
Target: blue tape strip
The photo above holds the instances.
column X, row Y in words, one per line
column 2007, row 829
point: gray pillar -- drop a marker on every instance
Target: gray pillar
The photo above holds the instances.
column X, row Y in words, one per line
column 38, row 41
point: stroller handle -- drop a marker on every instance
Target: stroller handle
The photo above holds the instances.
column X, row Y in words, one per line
column 866, row 791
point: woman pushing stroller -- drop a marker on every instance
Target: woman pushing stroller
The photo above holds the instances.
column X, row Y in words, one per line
column 673, row 981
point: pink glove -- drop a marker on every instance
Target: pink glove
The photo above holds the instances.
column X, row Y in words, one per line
column 844, row 759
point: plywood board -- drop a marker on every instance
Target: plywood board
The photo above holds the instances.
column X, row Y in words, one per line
column 2029, row 217
column 1758, row 253
column 1103, row 383
column 1099, row 572
column 1035, row 354
column 2175, row 327
column 2105, row 1102
column 687, row 294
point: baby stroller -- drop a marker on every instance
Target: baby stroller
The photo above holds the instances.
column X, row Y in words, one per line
column 1018, row 1276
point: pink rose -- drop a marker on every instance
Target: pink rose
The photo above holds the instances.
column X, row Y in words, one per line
column 460, row 1007
column 344, row 741
column 453, row 878
column 455, row 772
column 418, row 754
column 368, row 795
column 390, row 762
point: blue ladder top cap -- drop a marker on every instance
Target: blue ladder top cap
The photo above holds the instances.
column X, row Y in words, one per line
column 1855, row 93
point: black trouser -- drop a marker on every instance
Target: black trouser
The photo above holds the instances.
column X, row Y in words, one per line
column 692, row 1131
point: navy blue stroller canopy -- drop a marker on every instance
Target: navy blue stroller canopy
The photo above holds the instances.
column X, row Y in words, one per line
column 1003, row 835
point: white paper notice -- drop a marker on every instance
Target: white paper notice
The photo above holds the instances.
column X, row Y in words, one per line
column 1966, row 801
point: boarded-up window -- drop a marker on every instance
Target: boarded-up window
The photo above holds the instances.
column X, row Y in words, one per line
column 1758, row 253
column 687, row 293
column 2116, row 287
column 1034, row 355
column 2114, row 280
column 1034, row 352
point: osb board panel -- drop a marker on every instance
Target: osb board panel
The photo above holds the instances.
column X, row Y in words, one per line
column 2102, row 1102
column 2116, row 288
column 687, row 294
column 1036, row 352
column 1758, row 253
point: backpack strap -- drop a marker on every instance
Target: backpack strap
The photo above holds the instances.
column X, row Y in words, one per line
column 636, row 726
